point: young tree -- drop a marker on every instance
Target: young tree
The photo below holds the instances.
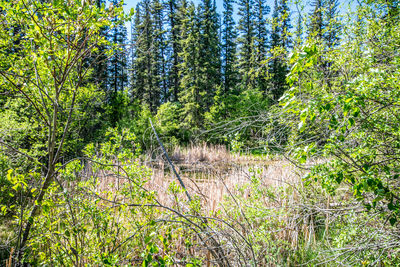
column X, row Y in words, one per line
column 49, row 77
column 352, row 118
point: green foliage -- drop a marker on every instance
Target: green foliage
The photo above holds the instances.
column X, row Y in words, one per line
column 167, row 121
column 98, row 212
column 295, row 223
column 350, row 115
column 45, row 75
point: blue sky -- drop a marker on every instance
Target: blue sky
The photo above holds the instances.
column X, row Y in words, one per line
column 132, row 3
column 344, row 6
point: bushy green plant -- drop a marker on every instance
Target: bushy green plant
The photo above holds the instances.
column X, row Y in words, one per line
column 344, row 102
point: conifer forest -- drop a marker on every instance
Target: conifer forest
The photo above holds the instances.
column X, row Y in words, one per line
column 199, row 133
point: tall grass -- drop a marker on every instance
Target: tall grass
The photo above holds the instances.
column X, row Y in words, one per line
column 285, row 221
column 252, row 211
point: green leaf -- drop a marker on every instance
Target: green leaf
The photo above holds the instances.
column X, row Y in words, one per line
column 391, row 206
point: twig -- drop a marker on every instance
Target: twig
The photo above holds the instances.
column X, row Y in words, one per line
column 170, row 162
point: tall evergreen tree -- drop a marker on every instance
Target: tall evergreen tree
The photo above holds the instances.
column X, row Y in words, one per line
column 332, row 32
column 280, row 44
column 117, row 65
column 286, row 26
column 261, row 33
column 158, row 50
column 190, row 94
column 229, row 35
column 246, row 40
column 99, row 58
column 174, row 44
column 138, row 59
column 324, row 24
column 146, row 58
column 261, row 44
column 210, row 57
column 316, row 20
column 299, row 29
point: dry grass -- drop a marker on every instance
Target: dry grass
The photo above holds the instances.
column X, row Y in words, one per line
column 201, row 153
column 212, row 173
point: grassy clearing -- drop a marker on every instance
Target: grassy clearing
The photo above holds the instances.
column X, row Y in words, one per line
column 245, row 212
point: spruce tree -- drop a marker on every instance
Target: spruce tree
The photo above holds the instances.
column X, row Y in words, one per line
column 324, row 24
column 159, row 51
column 299, row 27
column 210, row 57
column 190, row 94
column 117, row 76
column 99, row 59
column 229, row 35
column 138, row 59
column 316, row 20
column 151, row 91
column 261, row 33
column 280, row 44
column 332, row 32
column 261, row 44
column 246, row 40
column 149, row 58
column 286, row 26
column 174, row 48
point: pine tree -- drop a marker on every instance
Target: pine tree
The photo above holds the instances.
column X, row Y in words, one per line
column 147, row 59
column 174, row 45
column 286, row 26
column 299, row 29
column 117, row 76
column 117, row 65
column 261, row 41
column 158, row 50
column 229, row 35
column 246, row 40
column 332, row 31
column 316, row 20
column 324, row 24
column 190, row 94
column 261, row 33
column 280, row 44
column 138, row 59
column 99, row 59
column 210, row 57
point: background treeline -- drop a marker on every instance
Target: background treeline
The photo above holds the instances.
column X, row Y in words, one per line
column 192, row 67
